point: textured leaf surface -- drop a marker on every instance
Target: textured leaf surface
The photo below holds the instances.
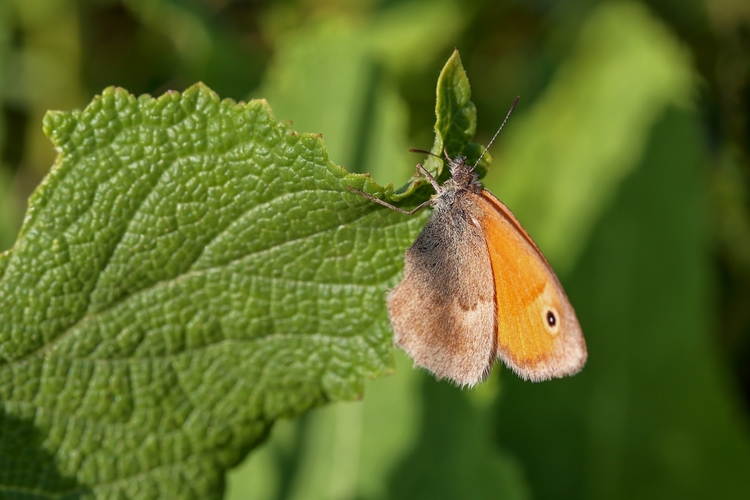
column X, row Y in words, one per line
column 189, row 271
column 456, row 115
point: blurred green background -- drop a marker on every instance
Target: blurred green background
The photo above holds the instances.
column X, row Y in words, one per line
column 628, row 160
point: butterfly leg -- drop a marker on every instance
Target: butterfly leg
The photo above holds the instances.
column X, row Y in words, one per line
column 430, row 178
column 388, row 205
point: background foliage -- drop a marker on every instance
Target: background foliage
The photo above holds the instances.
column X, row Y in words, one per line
column 627, row 159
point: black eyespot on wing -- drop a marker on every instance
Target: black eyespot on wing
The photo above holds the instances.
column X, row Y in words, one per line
column 551, row 319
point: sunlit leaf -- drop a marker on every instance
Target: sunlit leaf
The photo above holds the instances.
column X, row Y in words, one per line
column 188, row 272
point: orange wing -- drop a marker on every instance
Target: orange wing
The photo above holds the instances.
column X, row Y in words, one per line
column 537, row 330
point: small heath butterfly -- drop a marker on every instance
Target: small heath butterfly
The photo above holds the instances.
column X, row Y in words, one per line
column 476, row 288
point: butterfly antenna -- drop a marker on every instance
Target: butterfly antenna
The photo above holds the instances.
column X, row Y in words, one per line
column 510, row 111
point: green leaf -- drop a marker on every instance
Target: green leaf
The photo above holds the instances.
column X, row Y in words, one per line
column 456, row 114
column 454, row 128
column 188, row 272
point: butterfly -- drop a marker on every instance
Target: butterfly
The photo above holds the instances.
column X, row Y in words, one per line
column 476, row 288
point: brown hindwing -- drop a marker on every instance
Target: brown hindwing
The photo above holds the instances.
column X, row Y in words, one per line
column 443, row 312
